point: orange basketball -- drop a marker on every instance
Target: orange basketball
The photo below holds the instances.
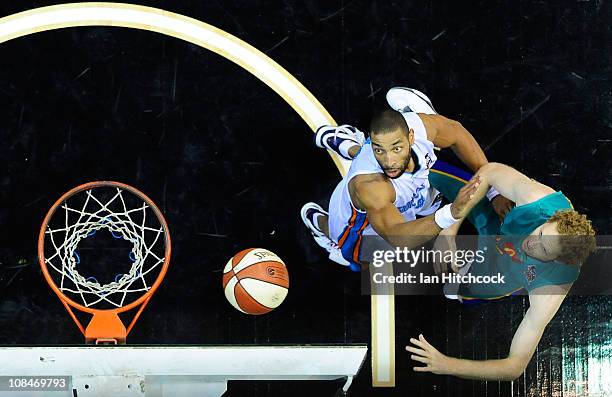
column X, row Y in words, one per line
column 255, row 281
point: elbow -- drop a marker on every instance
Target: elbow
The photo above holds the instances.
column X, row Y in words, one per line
column 489, row 168
column 454, row 124
column 515, row 370
column 514, row 375
column 510, row 375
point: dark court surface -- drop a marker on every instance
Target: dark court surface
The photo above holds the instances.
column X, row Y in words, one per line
column 230, row 164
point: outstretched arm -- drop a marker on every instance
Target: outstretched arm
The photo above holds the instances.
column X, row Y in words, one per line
column 447, row 133
column 508, row 182
column 512, row 184
column 544, row 303
column 376, row 196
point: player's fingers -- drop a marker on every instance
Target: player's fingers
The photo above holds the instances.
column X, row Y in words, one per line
column 418, row 343
column 468, row 185
column 420, row 359
column 416, row 351
column 474, row 179
column 422, row 369
column 469, row 189
column 474, row 182
column 422, row 339
column 471, row 185
column 464, row 193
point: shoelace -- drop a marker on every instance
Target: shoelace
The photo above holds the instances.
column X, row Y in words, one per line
column 336, row 132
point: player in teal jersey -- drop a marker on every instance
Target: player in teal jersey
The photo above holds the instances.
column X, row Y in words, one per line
column 540, row 246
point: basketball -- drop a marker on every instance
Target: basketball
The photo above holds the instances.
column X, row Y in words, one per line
column 255, row 281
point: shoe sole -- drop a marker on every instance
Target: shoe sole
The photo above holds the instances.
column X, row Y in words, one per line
column 418, row 93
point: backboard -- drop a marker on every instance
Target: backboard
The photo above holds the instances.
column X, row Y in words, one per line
column 170, row 370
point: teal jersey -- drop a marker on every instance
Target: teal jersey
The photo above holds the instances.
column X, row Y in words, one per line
column 523, row 219
column 507, row 258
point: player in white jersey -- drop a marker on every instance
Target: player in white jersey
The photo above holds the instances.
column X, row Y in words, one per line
column 387, row 184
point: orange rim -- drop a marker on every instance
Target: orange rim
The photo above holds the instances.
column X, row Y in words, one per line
column 147, row 295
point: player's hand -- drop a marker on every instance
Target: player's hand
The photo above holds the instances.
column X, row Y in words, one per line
column 462, row 204
column 435, row 362
column 502, row 206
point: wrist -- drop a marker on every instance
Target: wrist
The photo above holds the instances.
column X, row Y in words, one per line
column 492, row 193
column 449, row 365
column 444, row 217
column 452, row 365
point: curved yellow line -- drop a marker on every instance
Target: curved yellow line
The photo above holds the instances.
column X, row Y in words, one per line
column 448, row 175
column 181, row 27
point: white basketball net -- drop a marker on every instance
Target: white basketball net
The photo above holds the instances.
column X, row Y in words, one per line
column 95, row 215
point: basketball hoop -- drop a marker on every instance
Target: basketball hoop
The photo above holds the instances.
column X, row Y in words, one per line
column 128, row 215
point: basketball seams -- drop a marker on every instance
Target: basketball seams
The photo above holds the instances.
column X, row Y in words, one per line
column 265, row 281
column 230, row 293
column 251, row 302
column 228, row 266
column 259, row 270
column 252, row 297
column 239, row 256
column 255, row 287
column 227, row 277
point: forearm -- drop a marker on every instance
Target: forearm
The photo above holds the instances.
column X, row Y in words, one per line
column 489, row 370
column 412, row 234
column 447, row 133
column 467, row 149
column 477, row 195
column 512, row 184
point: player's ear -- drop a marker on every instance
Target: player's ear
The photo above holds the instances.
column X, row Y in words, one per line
column 411, row 136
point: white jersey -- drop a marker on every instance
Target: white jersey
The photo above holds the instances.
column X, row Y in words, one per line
column 413, row 194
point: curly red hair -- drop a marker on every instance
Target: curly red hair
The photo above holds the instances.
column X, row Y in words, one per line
column 578, row 240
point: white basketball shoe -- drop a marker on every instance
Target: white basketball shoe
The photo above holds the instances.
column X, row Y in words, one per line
column 405, row 100
column 339, row 139
column 310, row 212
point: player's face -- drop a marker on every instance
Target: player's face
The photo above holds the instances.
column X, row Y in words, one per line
column 392, row 151
column 543, row 243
